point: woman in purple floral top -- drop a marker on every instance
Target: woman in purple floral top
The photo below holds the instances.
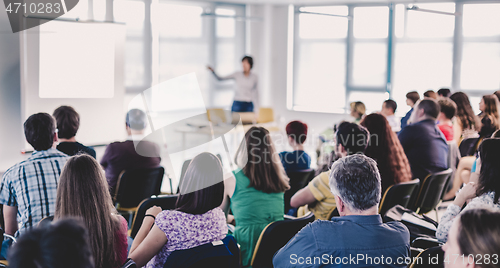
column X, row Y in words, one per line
column 196, row 220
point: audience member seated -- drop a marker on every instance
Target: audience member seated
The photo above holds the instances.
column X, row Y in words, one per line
column 430, row 94
column 61, row 244
column 68, row 122
column 196, row 220
column 355, row 183
column 424, row 144
column 28, row 189
column 358, row 110
column 83, row 193
column 444, row 93
column 256, row 192
column 448, row 111
column 490, row 119
column 388, row 109
column 412, row 98
column 466, row 124
column 385, row 149
column 351, row 139
column 475, row 233
column 298, row 159
column 120, row 156
column 482, row 190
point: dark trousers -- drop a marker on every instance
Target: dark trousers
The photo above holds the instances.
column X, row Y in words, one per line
column 242, row 106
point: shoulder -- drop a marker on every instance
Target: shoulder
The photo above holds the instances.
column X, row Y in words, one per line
column 283, row 154
column 485, row 200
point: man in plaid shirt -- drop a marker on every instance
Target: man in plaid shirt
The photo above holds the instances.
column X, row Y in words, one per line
column 28, row 189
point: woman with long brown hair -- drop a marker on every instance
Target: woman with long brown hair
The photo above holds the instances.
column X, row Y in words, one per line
column 467, row 124
column 385, row 148
column 83, row 192
column 256, row 192
column 490, row 120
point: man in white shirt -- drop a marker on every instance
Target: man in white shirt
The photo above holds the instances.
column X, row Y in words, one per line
column 388, row 109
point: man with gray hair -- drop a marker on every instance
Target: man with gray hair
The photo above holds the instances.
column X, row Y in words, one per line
column 120, row 156
column 358, row 238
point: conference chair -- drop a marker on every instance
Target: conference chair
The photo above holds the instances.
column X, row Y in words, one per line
column 166, row 202
column 136, row 185
column 431, row 192
column 431, row 257
column 468, row 146
column 397, row 194
column 333, row 213
column 425, row 242
column 129, row 264
column 216, row 115
column 298, row 180
column 274, row 237
column 223, row 253
column 45, row 221
column 265, row 115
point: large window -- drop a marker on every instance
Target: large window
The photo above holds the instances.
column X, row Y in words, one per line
column 167, row 39
column 386, row 50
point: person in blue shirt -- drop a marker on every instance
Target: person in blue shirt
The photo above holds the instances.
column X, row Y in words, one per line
column 298, row 159
column 358, row 238
column 411, row 98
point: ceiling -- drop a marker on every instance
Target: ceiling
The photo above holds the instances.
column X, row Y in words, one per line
column 316, row 2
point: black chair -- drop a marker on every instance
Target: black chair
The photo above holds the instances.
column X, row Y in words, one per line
column 298, row 180
column 224, row 253
column 166, row 202
column 45, row 221
column 136, row 185
column 431, row 257
column 333, row 213
column 274, row 237
column 129, row 264
column 425, row 242
column 397, row 194
column 468, row 146
column 431, row 192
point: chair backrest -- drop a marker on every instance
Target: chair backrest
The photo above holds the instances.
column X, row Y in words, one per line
column 333, row 213
column 138, row 184
column 274, row 237
column 298, row 180
column 265, row 115
column 45, row 221
column 431, row 257
column 431, row 191
column 468, row 146
column 129, row 264
column 216, row 115
column 224, row 253
column 166, row 202
column 397, row 194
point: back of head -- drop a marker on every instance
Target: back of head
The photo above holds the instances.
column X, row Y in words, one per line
column 83, row 192
column 430, row 94
column 430, row 107
column 136, row 119
column 413, row 96
column 260, row 163
column 390, row 104
column 202, row 188
column 353, row 137
column 489, row 152
column 479, row 234
column 497, row 93
column 464, row 113
column 39, row 130
column 68, row 121
column 448, row 107
column 297, row 130
column 356, row 180
column 444, row 92
column 61, row 244
column 358, row 107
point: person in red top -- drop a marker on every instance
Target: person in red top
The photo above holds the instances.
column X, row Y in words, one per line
column 448, row 110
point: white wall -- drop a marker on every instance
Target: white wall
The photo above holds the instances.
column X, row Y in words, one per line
column 10, row 96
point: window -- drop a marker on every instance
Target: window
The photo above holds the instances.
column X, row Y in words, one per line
column 455, row 45
column 480, row 67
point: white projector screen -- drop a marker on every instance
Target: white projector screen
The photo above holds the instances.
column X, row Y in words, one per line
column 80, row 64
column 76, row 60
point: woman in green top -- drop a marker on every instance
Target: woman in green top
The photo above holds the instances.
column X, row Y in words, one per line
column 255, row 193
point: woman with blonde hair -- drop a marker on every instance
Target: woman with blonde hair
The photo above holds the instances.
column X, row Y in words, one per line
column 83, row 193
column 256, row 192
column 358, row 110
